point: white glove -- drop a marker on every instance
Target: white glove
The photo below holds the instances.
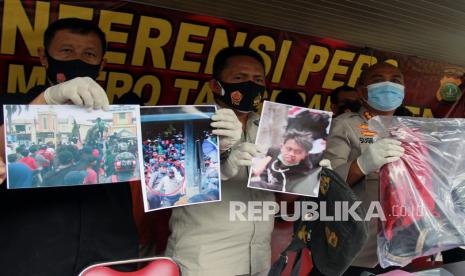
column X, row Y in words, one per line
column 228, row 128
column 325, row 163
column 82, row 91
column 241, row 155
column 379, row 153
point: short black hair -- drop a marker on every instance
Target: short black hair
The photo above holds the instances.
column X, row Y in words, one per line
column 12, row 157
column 309, row 121
column 291, row 97
column 403, row 111
column 24, row 152
column 76, row 154
column 33, row 149
column 65, row 157
column 222, row 57
column 335, row 93
column 362, row 79
column 87, row 150
column 88, row 159
column 20, row 148
column 301, row 138
column 75, row 25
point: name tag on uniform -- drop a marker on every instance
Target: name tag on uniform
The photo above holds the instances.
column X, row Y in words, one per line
column 366, row 136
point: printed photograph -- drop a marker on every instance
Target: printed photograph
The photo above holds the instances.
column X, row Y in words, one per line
column 180, row 156
column 294, row 138
column 65, row 145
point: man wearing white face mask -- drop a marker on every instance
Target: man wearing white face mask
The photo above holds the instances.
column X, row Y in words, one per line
column 355, row 153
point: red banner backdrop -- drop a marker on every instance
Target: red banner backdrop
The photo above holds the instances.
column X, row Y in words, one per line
column 166, row 56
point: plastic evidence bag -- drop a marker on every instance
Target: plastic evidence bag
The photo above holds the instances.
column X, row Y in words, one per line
column 422, row 194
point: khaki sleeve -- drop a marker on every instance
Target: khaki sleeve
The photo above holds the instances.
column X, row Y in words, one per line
column 339, row 147
column 228, row 169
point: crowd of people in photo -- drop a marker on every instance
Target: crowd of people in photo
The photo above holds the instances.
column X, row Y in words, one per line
column 70, row 163
column 164, row 167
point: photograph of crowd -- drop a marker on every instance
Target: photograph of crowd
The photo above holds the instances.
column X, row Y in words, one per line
column 64, row 145
column 294, row 138
column 180, row 156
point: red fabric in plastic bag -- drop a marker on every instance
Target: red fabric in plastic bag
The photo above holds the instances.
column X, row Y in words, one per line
column 402, row 202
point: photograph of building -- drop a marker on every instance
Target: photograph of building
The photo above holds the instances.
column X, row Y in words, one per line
column 54, row 140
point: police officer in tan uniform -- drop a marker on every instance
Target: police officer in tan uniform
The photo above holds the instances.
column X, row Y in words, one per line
column 357, row 155
column 205, row 240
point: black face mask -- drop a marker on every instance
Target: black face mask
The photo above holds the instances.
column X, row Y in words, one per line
column 243, row 96
column 59, row 71
column 349, row 105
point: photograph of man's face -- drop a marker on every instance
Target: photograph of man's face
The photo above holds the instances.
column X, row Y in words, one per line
column 294, row 138
column 292, row 153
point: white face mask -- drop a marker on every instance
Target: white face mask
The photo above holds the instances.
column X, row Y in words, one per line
column 385, row 96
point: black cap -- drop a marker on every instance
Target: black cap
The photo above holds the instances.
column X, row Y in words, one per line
column 335, row 244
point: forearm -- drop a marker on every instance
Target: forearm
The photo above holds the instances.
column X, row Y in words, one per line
column 2, row 171
column 39, row 99
column 2, row 142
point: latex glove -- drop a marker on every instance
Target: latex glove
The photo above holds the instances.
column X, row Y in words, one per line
column 82, row 91
column 379, row 153
column 325, row 163
column 227, row 127
column 240, row 156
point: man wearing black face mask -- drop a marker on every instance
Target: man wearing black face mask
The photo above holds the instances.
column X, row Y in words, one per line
column 217, row 244
column 65, row 61
column 344, row 99
column 59, row 231
column 72, row 57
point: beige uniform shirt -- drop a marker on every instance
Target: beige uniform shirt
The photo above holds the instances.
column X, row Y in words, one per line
column 205, row 242
column 348, row 138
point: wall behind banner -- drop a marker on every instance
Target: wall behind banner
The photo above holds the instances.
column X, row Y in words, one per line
column 166, row 56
